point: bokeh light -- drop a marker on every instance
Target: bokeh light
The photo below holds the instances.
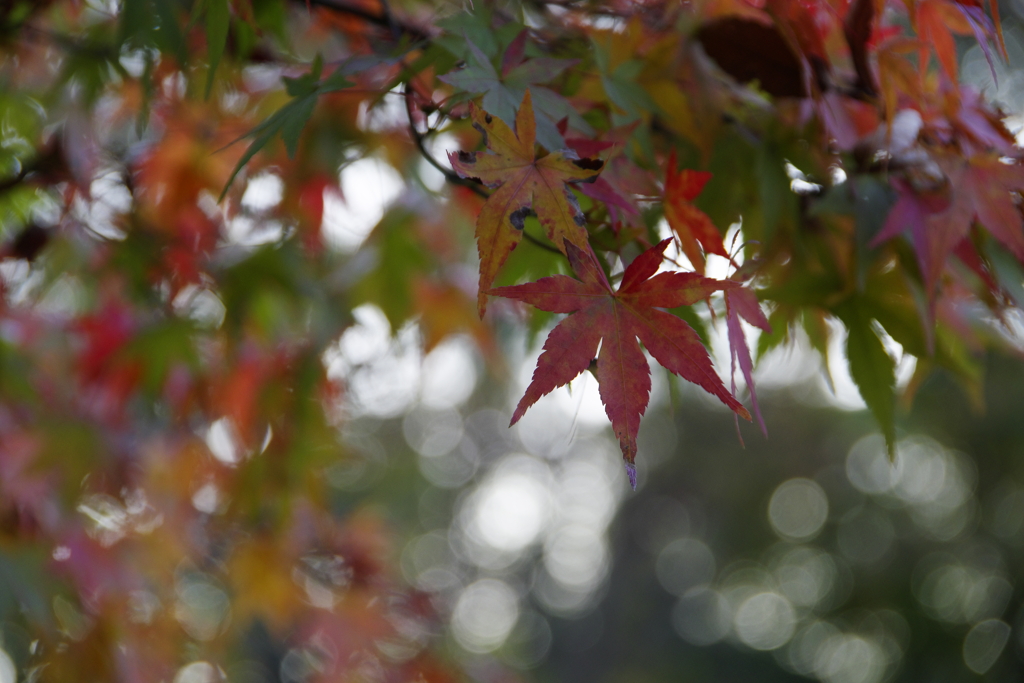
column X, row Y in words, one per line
column 984, row 643
column 798, row 509
column 202, row 606
column 575, row 555
column 198, row 672
column 530, row 641
column 806, row 575
column 512, row 507
column 963, row 590
column 449, row 374
column 368, row 186
column 846, row 658
column 484, row 615
column 8, row 674
column 432, row 433
column 684, row 564
column 765, row 621
column 702, row 616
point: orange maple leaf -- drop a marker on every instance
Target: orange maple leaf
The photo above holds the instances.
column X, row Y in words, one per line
column 524, row 182
column 693, row 226
column 936, row 21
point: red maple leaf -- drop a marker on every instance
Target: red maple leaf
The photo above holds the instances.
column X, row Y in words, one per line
column 614, row 320
column 911, row 213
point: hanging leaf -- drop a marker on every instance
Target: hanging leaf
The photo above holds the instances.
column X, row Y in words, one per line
column 614, row 320
column 290, row 120
column 153, row 23
column 217, row 19
column 742, row 303
column 872, row 369
column 981, row 190
column 502, row 93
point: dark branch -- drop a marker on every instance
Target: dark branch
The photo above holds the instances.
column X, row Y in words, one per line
column 450, row 175
column 385, row 19
column 48, row 166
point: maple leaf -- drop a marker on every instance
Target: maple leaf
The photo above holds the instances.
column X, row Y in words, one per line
column 614, row 320
column 984, row 188
column 911, row 212
column 982, row 191
column 502, row 92
column 620, row 206
column 936, row 21
column 693, row 226
column 742, row 303
column 524, row 182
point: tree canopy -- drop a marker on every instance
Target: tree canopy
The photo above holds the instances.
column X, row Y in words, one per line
column 208, row 208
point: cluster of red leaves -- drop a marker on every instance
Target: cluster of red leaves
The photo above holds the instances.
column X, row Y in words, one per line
column 602, row 317
column 952, row 162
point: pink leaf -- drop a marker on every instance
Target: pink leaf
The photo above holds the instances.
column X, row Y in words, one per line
column 743, row 303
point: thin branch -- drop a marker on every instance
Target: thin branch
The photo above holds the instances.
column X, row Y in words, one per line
column 450, row 175
column 385, row 19
column 396, row 32
column 417, row 138
column 49, row 160
column 537, row 243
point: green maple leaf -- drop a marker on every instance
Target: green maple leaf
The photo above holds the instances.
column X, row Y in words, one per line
column 503, row 92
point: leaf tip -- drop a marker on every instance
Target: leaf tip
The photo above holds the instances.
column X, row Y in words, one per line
column 631, row 473
column 518, row 413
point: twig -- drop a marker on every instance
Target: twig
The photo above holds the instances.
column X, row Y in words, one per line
column 418, row 140
column 537, row 243
column 385, row 19
column 450, row 175
column 396, row 32
column 48, row 160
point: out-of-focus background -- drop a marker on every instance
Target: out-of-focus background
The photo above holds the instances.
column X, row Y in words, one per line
column 807, row 555
column 176, row 505
column 804, row 555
